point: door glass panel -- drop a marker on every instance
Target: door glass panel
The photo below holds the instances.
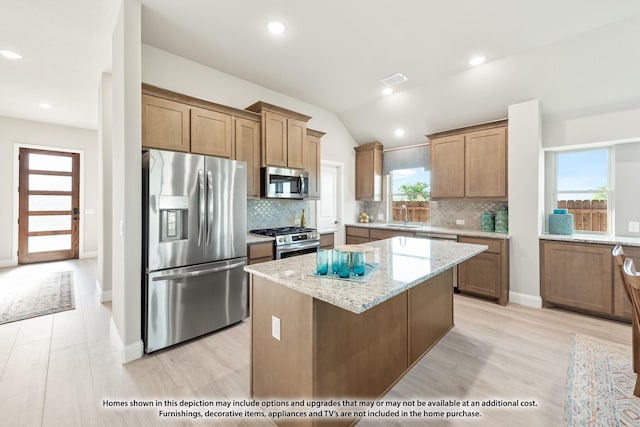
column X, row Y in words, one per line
column 49, row 203
column 49, row 183
column 49, row 243
column 49, row 222
column 50, row 163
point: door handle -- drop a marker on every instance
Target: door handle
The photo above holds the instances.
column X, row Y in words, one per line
column 209, row 205
column 201, row 206
column 199, row 272
column 75, row 213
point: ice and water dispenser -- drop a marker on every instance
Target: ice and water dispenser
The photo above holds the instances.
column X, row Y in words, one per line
column 174, row 218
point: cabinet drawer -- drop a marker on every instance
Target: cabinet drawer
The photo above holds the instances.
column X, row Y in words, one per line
column 260, row 250
column 326, row 241
column 356, row 240
column 358, row 231
column 377, row 234
column 495, row 245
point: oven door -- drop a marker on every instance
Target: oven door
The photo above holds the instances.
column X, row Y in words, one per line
column 296, row 249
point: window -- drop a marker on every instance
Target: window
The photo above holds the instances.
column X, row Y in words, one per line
column 409, row 187
column 583, row 186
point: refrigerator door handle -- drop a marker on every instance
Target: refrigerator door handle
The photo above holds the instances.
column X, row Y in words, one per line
column 209, row 204
column 199, row 272
column 201, row 205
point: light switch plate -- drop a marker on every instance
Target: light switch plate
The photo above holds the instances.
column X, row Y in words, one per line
column 459, row 221
column 380, row 217
column 275, row 327
column 634, row 227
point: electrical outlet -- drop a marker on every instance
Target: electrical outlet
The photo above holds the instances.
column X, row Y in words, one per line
column 459, row 221
column 380, row 217
column 634, row 227
column 275, row 327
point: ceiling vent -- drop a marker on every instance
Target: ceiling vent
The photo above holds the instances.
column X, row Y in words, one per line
column 393, row 80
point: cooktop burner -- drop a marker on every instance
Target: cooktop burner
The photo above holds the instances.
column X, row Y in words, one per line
column 282, row 231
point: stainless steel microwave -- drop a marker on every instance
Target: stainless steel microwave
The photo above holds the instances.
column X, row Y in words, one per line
column 283, row 183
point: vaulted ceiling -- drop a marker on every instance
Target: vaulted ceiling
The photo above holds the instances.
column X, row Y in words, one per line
column 577, row 57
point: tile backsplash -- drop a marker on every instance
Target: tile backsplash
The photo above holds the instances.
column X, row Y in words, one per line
column 277, row 213
column 445, row 213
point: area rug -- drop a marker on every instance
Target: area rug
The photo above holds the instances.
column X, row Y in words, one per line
column 600, row 382
column 26, row 298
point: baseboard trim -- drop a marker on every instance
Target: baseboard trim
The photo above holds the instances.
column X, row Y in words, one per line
column 104, row 295
column 8, row 263
column 92, row 254
column 130, row 352
column 525, row 299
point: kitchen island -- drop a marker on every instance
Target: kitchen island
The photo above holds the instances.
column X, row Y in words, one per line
column 314, row 337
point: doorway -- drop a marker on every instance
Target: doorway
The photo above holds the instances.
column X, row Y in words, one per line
column 49, row 200
column 330, row 204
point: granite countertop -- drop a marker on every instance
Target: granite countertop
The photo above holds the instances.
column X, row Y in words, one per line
column 403, row 263
column 593, row 238
column 430, row 229
column 257, row 238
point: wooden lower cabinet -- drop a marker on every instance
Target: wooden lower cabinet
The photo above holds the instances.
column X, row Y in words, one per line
column 327, row 241
column 583, row 277
column 260, row 252
column 486, row 274
column 356, row 235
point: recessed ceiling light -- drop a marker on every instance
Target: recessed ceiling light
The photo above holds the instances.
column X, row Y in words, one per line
column 393, row 80
column 45, row 105
column 477, row 60
column 276, row 27
column 10, row 54
column 399, row 132
column 387, row 91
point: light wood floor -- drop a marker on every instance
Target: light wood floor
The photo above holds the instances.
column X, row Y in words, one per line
column 56, row 370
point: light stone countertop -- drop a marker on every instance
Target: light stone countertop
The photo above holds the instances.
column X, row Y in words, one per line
column 593, row 238
column 403, row 263
column 429, row 229
column 258, row 238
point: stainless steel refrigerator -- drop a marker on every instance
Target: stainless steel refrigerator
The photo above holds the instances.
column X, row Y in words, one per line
column 194, row 246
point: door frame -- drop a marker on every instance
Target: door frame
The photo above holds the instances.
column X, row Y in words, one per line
column 16, row 202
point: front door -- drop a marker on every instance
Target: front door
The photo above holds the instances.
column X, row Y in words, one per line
column 49, row 203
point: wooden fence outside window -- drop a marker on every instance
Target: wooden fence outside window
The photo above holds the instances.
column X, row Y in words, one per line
column 417, row 211
column 588, row 215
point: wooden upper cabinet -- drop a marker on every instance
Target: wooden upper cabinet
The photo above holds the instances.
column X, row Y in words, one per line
column 447, row 166
column 211, row 132
column 486, row 163
column 369, row 171
column 247, row 149
column 296, row 137
column 311, row 161
column 470, row 163
column 165, row 124
column 283, row 135
column 275, row 136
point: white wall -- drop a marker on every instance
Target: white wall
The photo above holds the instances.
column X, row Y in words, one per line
column 525, row 202
column 105, row 193
column 127, row 180
column 181, row 75
column 30, row 133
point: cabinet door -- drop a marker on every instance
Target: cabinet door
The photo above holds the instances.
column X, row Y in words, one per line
column 577, row 275
column 369, row 174
column 247, row 149
column 296, row 137
column 311, row 154
column 274, row 140
column 165, row 124
column 486, row 163
column 447, row 167
column 211, row 132
column 481, row 275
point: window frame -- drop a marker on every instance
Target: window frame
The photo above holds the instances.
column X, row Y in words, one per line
column 390, row 194
column 552, row 202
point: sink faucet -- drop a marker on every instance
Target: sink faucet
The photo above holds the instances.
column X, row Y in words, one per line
column 403, row 207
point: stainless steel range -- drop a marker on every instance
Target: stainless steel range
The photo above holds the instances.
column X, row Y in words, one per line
column 292, row 241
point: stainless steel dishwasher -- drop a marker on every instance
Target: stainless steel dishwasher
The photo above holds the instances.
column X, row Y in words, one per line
column 440, row 236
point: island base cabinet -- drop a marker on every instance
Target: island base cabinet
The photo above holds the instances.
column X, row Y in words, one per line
column 325, row 352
